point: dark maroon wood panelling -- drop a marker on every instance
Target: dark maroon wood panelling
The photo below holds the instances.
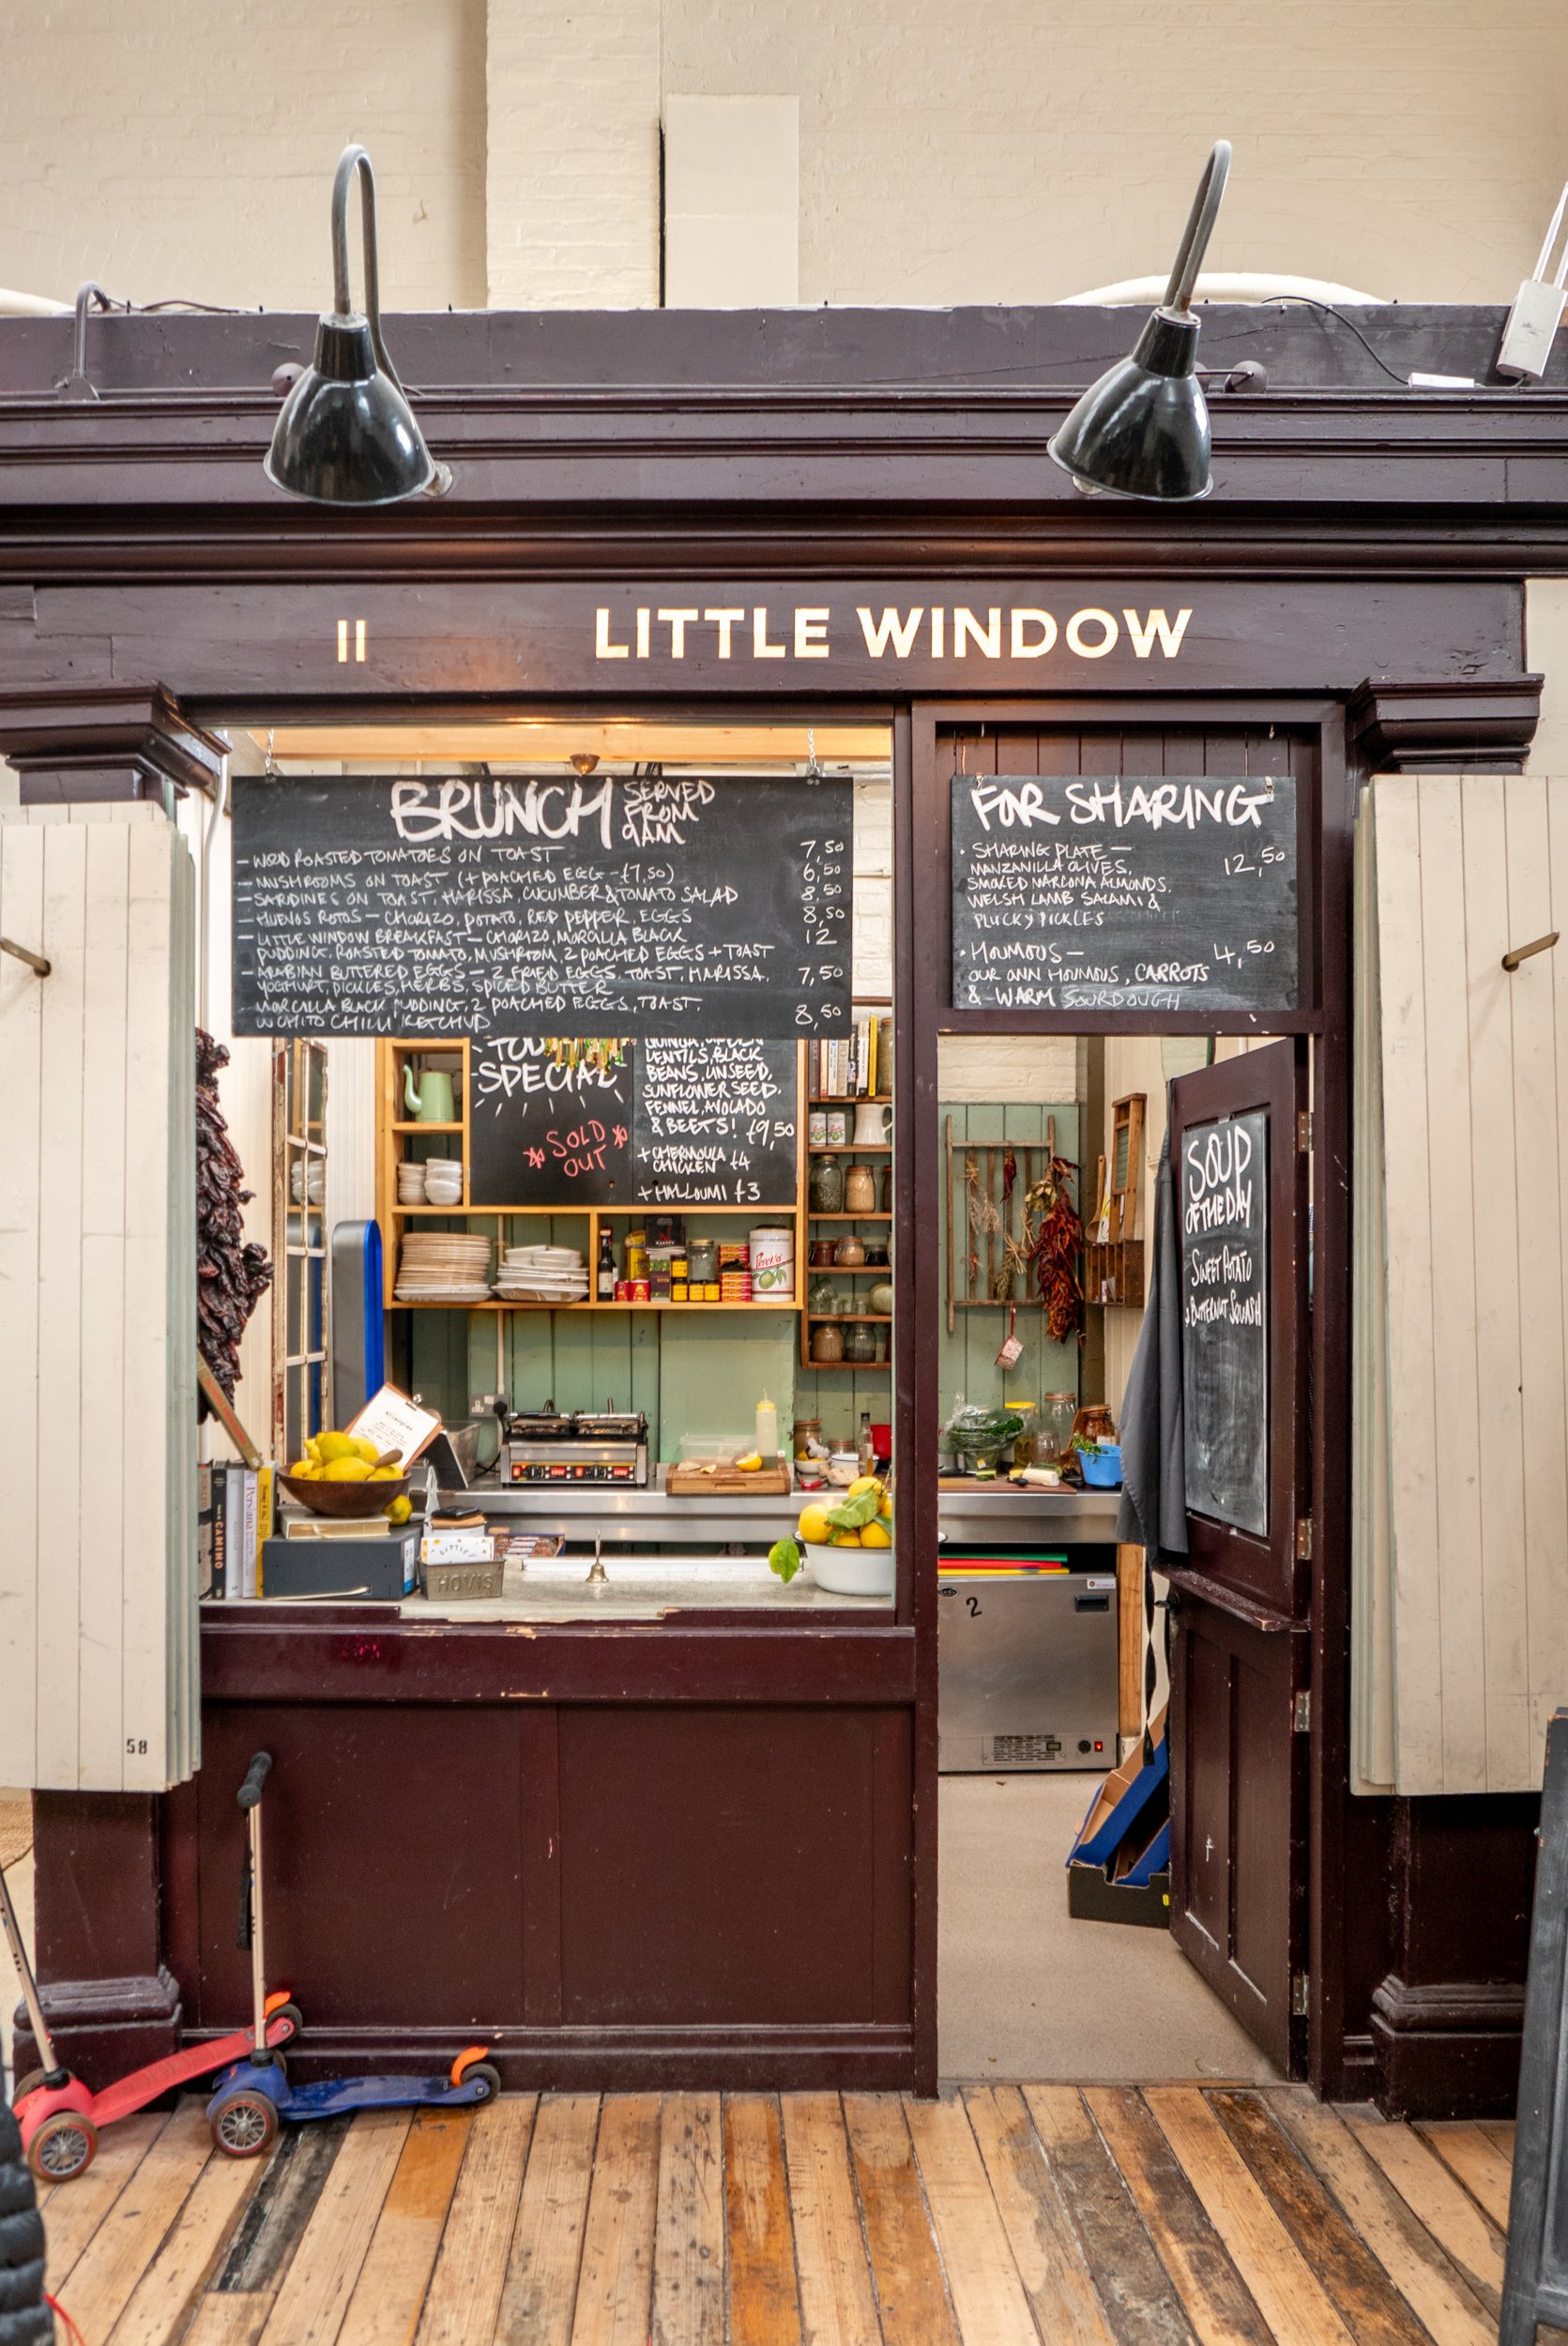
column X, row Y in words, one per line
column 721, row 1868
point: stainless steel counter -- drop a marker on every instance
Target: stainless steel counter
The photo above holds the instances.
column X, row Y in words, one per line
column 640, row 1517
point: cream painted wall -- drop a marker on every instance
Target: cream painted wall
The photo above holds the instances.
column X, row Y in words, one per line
column 1000, row 153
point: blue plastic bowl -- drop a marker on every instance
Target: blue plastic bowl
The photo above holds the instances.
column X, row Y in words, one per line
column 1101, row 1468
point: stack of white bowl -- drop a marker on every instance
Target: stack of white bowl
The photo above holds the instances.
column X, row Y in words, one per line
column 542, row 1275
column 411, row 1181
column 443, row 1180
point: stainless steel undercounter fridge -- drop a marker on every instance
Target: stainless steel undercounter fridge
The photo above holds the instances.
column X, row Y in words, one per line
column 1028, row 1655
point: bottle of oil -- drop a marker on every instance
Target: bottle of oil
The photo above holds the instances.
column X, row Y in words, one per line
column 868, row 1455
column 607, row 1283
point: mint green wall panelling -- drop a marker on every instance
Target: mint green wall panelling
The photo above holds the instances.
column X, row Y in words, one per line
column 642, row 1353
column 714, row 1369
column 966, row 1359
column 440, row 1350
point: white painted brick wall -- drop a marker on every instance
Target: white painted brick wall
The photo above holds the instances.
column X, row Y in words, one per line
column 573, row 170
column 174, row 147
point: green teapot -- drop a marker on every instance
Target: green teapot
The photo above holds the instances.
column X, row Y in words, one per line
column 431, row 1099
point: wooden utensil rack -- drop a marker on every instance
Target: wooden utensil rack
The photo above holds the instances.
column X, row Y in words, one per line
column 984, row 1213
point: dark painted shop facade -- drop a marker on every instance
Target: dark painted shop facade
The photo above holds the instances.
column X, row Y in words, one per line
column 584, row 1834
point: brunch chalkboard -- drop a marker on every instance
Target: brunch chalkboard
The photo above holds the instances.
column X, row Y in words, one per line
column 1224, row 1202
column 1111, row 893
column 571, row 905
column 671, row 1122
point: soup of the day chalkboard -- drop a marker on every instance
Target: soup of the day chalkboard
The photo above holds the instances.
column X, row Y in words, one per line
column 1106, row 892
column 610, row 903
column 1223, row 1195
column 672, row 1123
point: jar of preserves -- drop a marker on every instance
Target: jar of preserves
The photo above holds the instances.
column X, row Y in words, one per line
column 825, row 1188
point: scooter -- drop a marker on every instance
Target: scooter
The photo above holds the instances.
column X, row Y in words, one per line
column 60, row 2117
column 251, row 2099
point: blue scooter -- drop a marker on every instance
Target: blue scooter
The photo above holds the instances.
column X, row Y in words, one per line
column 253, row 2096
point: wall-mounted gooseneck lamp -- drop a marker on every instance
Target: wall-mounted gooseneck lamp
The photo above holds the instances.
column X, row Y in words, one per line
column 347, row 434
column 1142, row 430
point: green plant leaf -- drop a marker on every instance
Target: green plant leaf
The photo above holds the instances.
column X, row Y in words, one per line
column 784, row 1558
column 852, row 1515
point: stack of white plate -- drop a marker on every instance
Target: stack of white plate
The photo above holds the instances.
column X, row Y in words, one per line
column 444, row 1181
column 444, row 1267
column 542, row 1275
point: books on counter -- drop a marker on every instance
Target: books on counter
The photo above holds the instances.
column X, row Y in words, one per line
column 854, row 1067
column 235, row 1511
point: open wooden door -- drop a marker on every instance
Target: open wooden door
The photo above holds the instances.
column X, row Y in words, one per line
column 1240, row 1649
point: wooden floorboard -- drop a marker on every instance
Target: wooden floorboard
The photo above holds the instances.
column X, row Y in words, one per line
column 999, row 2216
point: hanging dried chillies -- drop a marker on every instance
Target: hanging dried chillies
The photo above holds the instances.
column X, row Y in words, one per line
column 232, row 1276
column 1053, row 1242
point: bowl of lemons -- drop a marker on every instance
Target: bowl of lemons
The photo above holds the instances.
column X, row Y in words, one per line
column 848, row 1545
column 347, row 1476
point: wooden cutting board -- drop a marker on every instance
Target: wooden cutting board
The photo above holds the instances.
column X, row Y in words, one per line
column 726, row 1481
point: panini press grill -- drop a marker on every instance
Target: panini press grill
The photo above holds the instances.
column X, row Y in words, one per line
column 552, row 1446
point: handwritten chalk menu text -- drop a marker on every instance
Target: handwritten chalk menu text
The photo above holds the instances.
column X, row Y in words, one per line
column 670, row 1123
column 1114, row 892
column 528, row 904
column 1224, row 1203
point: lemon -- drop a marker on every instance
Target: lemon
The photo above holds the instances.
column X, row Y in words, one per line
column 863, row 1483
column 846, row 1539
column 886, row 1509
column 400, row 1510
column 749, row 1465
column 814, row 1527
column 370, row 1451
column 304, row 1467
column 877, row 1535
column 347, row 1471
column 333, row 1446
column 385, row 1474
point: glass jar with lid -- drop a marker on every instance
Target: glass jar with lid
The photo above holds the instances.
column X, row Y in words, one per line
column 860, row 1190
column 825, row 1187
column 860, row 1341
column 827, row 1341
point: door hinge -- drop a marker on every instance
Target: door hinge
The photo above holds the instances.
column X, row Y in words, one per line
column 1303, row 1131
column 1302, row 1715
column 1303, row 1539
column 1301, row 1995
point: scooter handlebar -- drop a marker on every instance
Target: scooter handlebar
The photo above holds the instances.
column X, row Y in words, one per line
column 255, row 1776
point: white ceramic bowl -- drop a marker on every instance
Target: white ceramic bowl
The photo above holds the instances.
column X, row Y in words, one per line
column 852, row 1571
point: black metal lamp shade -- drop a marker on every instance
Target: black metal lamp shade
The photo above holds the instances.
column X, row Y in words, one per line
column 347, row 434
column 1142, row 430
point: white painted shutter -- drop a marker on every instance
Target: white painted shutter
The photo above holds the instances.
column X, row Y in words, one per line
column 98, row 1406
column 1460, row 1604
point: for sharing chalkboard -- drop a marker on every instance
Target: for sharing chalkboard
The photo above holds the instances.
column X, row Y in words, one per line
column 1099, row 893
column 673, row 907
column 672, row 1122
column 1222, row 1199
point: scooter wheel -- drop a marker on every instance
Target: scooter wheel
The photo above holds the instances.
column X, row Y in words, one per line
column 29, row 2084
column 244, row 2124
column 292, row 2013
column 62, row 2147
column 485, row 2074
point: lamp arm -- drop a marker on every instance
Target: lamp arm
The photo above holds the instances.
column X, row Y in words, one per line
column 1199, row 228
column 353, row 159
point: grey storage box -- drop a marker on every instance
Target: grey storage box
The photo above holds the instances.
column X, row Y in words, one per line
column 381, row 1567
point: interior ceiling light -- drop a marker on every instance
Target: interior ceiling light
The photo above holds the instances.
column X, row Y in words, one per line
column 1142, row 430
column 347, row 434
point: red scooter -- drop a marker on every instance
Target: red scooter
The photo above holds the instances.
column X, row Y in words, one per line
column 60, row 2117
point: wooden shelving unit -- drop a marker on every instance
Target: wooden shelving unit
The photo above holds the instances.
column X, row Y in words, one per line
column 393, row 1127
column 803, row 1272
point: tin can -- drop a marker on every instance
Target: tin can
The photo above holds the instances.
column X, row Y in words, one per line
column 838, row 1128
column 678, row 1290
column 639, row 1290
column 816, row 1129
column 623, row 1290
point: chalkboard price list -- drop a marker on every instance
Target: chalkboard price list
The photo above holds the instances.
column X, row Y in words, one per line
column 644, row 906
column 1099, row 892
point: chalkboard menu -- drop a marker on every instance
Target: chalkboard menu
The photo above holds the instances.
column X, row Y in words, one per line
column 1223, row 1201
column 1112, row 892
column 670, row 1123
column 599, row 904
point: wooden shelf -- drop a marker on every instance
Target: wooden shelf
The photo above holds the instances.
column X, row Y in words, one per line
column 826, row 1368
column 853, row 1319
column 497, row 1303
column 849, row 1149
column 417, row 1126
column 848, row 1099
column 870, row 1214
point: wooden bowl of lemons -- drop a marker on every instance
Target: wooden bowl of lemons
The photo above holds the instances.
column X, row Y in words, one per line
column 345, row 1476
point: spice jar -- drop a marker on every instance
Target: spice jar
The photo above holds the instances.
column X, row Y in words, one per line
column 822, row 1253
column 851, row 1253
column 860, row 1342
column 825, row 1188
column 807, row 1431
column 702, row 1257
column 827, row 1341
column 860, row 1190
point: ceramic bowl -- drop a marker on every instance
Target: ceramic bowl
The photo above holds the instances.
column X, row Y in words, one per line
column 358, row 1501
column 852, row 1571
